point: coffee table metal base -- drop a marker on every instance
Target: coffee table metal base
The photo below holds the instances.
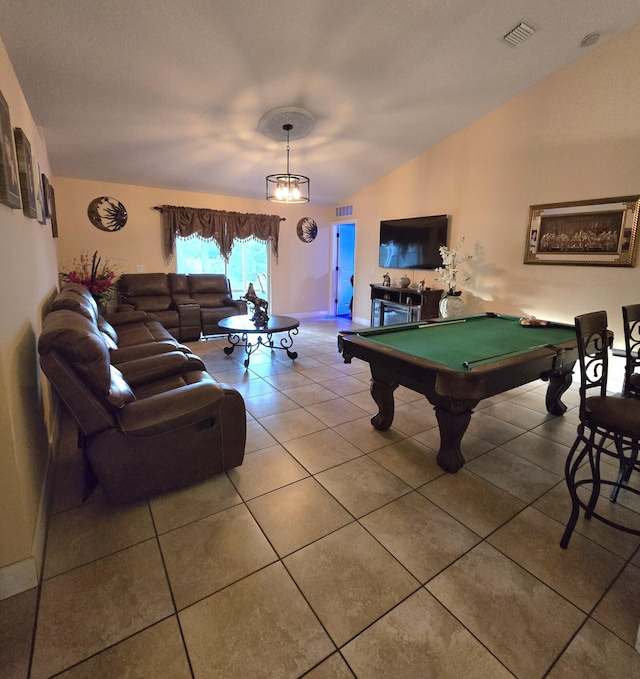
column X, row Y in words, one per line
column 243, row 332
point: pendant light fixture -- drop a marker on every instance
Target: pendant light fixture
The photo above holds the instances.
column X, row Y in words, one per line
column 287, row 123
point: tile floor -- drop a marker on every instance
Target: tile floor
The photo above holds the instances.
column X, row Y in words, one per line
column 336, row 550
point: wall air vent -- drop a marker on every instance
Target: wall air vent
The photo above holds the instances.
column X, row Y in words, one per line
column 518, row 34
column 344, row 211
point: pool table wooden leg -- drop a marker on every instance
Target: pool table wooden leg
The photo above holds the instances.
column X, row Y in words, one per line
column 559, row 382
column 452, row 426
column 382, row 393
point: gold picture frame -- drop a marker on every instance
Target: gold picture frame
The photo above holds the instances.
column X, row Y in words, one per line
column 598, row 232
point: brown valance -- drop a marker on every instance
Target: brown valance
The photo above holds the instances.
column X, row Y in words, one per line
column 218, row 225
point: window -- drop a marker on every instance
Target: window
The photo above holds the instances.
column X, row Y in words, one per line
column 248, row 263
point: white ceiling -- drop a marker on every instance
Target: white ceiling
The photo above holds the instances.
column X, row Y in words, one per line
column 170, row 94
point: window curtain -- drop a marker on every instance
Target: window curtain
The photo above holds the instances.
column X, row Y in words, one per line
column 218, row 225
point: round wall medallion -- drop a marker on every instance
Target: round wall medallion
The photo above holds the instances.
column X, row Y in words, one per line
column 107, row 214
column 307, row 230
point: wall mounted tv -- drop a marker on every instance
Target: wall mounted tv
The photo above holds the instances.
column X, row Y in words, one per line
column 413, row 243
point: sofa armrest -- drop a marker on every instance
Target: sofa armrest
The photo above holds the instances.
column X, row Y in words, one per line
column 171, row 410
column 152, row 368
column 126, row 317
column 122, row 306
column 137, row 351
column 239, row 304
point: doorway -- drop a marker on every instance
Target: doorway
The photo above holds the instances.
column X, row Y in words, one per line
column 344, row 248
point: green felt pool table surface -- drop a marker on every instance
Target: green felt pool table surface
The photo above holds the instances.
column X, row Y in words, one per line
column 476, row 340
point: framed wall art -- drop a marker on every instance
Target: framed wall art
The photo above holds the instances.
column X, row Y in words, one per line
column 598, row 232
column 9, row 186
column 25, row 172
column 41, row 204
column 50, row 196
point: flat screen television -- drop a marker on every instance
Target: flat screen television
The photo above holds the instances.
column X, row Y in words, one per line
column 413, row 243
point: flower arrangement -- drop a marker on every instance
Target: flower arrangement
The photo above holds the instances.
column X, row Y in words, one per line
column 448, row 273
column 96, row 276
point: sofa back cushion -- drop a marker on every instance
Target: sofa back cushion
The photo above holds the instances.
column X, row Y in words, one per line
column 75, row 297
column 145, row 291
column 210, row 290
column 79, row 344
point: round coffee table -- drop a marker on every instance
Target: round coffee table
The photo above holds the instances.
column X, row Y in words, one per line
column 242, row 330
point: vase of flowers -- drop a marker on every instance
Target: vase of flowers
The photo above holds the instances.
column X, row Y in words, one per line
column 97, row 276
column 452, row 303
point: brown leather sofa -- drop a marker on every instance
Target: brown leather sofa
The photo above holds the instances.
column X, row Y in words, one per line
column 154, row 422
column 187, row 305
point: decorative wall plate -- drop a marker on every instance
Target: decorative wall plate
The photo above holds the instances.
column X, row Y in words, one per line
column 107, row 214
column 307, row 230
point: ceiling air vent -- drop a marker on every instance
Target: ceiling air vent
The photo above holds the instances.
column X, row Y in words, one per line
column 344, row 211
column 518, row 34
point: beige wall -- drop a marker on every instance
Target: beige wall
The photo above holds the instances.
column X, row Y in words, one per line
column 28, row 266
column 575, row 136
column 300, row 279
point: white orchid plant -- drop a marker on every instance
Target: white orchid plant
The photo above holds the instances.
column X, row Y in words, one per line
column 448, row 273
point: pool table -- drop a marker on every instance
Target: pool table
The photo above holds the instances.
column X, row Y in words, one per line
column 457, row 362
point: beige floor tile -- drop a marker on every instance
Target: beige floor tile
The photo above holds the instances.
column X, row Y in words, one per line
column 474, row 502
column 323, row 373
column 157, row 651
column 581, row 574
column 258, row 627
column 410, row 461
column 254, row 387
column 492, row 429
column 257, row 437
column 334, row 667
column 92, row 531
column 513, row 474
column 347, row 385
column 289, row 380
column 532, row 400
column 298, row 514
column 363, row 435
column 540, row 451
column 363, row 400
column 619, row 610
column 17, row 619
column 523, row 417
column 269, row 404
column 420, row 639
column 180, row 507
column 265, row 470
column 312, row 393
column 95, row 606
column 520, row 620
column 349, row 580
column 336, row 411
column 415, row 417
column 421, row 536
column 207, row 555
column 291, row 424
column 321, row 450
column 362, row 485
column 595, row 652
column 557, row 429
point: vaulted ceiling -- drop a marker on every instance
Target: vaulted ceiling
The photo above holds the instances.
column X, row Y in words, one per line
column 170, row 94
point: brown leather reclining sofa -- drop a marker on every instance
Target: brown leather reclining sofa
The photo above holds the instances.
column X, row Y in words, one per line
column 187, row 305
column 151, row 419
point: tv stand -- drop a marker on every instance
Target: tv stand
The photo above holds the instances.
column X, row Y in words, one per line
column 390, row 305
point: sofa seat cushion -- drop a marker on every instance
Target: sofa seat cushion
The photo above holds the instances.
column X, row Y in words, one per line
column 211, row 300
column 142, row 333
column 151, row 303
